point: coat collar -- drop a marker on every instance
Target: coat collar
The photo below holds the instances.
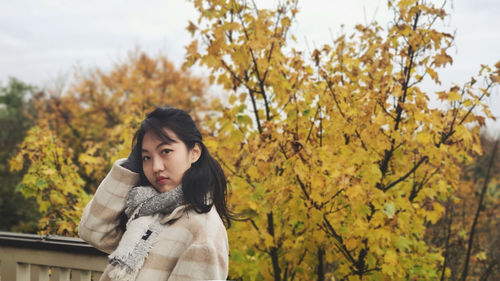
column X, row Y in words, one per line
column 176, row 214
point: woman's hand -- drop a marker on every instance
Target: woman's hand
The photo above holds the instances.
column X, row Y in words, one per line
column 134, row 161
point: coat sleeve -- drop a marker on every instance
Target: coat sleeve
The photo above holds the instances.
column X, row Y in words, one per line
column 201, row 262
column 100, row 222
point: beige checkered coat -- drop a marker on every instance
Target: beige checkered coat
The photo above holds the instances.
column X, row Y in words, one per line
column 191, row 246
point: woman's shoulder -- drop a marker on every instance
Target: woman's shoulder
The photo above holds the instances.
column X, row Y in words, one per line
column 198, row 227
column 208, row 221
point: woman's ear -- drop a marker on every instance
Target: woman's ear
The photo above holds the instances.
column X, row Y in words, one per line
column 195, row 153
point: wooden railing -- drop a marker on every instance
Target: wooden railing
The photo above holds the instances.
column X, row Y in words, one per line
column 30, row 257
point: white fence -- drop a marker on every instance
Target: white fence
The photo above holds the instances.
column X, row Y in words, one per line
column 29, row 257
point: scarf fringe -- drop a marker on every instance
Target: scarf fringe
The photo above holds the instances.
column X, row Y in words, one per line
column 127, row 259
column 121, row 273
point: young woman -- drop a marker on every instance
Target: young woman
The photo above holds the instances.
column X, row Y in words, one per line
column 160, row 213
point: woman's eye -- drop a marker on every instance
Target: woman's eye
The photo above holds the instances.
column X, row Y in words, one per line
column 166, row 151
column 144, row 158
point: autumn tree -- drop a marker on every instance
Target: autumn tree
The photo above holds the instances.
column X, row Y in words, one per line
column 337, row 160
column 80, row 132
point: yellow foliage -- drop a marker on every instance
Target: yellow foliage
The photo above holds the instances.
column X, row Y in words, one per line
column 81, row 132
column 53, row 179
column 341, row 150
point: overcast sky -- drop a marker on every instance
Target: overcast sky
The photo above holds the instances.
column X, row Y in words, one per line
column 41, row 40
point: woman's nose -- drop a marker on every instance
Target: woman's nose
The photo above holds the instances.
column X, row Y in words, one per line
column 157, row 165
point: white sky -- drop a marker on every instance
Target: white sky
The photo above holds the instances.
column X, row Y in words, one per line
column 42, row 40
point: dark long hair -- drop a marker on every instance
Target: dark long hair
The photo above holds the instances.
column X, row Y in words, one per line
column 204, row 183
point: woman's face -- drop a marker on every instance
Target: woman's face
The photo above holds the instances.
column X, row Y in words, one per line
column 164, row 164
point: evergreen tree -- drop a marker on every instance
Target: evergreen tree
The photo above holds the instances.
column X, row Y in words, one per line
column 18, row 213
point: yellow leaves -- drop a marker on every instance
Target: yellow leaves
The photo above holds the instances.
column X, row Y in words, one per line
column 436, row 213
column 87, row 159
column 390, row 258
column 93, row 124
column 301, row 170
column 403, row 243
column 389, row 209
column 49, row 172
column 90, row 162
column 57, row 199
column 210, row 61
column 497, row 65
column 442, row 59
column 16, row 162
column 354, row 278
column 454, row 96
column 495, row 78
column 232, row 99
column 404, row 4
column 285, row 22
column 354, row 192
column 433, row 74
column 241, row 57
column 268, row 240
column 253, row 206
column 488, row 113
column 50, row 178
column 451, row 96
column 253, row 172
column 379, row 236
column 64, row 228
column 326, row 125
column 436, row 38
column 425, row 138
column 481, row 256
column 370, row 173
column 191, row 28
column 192, row 55
column 351, row 243
column 44, row 206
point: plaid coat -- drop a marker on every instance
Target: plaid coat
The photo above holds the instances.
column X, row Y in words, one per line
column 191, row 246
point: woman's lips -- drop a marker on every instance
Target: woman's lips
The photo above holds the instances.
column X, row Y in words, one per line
column 161, row 180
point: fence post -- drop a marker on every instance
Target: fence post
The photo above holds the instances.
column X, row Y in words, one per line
column 43, row 273
column 23, row 272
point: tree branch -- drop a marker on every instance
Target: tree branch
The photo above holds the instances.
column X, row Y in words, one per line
column 385, row 188
column 274, row 250
column 476, row 217
column 250, row 92
column 338, row 239
column 399, row 108
column 321, row 266
column 448, row 234
column 417, row 187
column 256, row 68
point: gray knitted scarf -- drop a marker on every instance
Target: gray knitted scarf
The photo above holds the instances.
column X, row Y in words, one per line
column 144, row 206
